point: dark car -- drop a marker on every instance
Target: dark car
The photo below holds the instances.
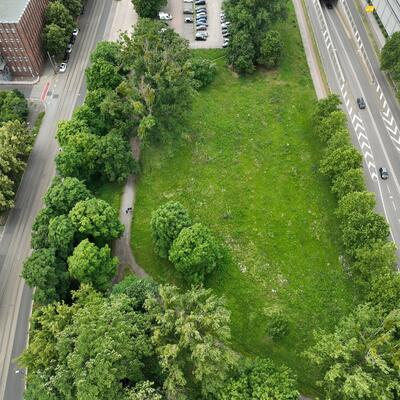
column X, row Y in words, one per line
column 329, row 5
column 200, row 37
column 200, row 2
column 201, row 28
column 66, row 57
column 383, row 173
column 188, row 20
column 188, row 11
column 361, row 103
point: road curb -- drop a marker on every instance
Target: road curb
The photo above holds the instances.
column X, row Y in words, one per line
column 20, row 83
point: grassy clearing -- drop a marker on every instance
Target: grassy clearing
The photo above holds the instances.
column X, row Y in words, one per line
column 112, row 193
column 248, row 168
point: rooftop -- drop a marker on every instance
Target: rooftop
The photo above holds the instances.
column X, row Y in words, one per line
column 12, row 10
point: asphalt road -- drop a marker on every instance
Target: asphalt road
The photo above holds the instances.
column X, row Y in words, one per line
column 66, row 91
column 368, row 127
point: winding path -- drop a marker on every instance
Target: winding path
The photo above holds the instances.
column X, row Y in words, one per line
column 122, row 248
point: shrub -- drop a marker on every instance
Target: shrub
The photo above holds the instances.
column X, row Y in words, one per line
column 204, row 71
column 270, row 49
column 277, row 326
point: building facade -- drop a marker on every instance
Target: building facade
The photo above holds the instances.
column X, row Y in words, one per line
column 389, row 14
column 21, row 24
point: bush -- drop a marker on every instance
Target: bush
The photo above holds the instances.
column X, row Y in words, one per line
column 166, row 224
column 204, row 71
column 350, row 181
column 195, row 253
column 277, row 326
column 241, row 52
column 13, row 106
column 271, row 49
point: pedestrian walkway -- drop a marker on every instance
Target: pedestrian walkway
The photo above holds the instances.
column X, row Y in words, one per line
column 122, row 247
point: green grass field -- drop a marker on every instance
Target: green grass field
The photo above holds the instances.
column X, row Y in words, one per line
column 112, row 193
column 248, row 168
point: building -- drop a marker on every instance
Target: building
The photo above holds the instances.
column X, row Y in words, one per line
column 21, row 24
column 389, row 13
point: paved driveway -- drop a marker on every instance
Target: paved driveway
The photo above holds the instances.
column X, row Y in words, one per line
column 215, row 39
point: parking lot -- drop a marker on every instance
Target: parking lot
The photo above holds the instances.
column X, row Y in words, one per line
column 188, row 30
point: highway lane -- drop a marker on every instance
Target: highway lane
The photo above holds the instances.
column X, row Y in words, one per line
column 65, row 93
column 367, row 127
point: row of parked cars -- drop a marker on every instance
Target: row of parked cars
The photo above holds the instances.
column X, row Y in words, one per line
column 225, row 29
column 198, row 16
column 68, row 50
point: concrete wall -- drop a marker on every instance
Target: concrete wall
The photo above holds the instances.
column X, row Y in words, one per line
column 389, row 13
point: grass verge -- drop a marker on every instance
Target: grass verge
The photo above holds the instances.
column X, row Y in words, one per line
column 112, row 193
column 248, row 168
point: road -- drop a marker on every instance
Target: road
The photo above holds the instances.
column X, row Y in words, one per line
column 374, row 130
column 65, row 92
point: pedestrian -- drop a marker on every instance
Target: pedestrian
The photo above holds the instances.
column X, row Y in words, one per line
column 126, row 211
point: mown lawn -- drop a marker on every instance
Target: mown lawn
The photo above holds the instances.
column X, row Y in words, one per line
column 248, row 168
column 111, row 192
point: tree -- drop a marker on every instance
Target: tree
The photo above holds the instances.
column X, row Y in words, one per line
column 64, row 193
column 93, row 265
column 56, row 13
column 384, row 290
column 148, row 8
column 40, row 229
column 195, row 252
column 355, row 203
column 204, row 71
column 102, row 74
column 143, row 391
column 55, row 40
column 43, row 271
column 116, row 158
column 137, row 290
column 374, row 260
column 97, row 220
column 340, row 138
column 161, row 75
column 166, row 224
column 68, row 129
column 61, row 235
column 325, row 107
column 340, row 160
column 79, row 158
column 328, row 126
column 189, row 333
column 270, row 49
column 13, row 106
column 73, row 6
column 390, row 55
column 92, row 349
column 241, row 52
column 106, row 51
column 260, row 379
column 350, row 181
column 7, row 193
column 360, row 359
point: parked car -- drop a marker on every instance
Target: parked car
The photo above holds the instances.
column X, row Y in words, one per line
column 187, row 11
column 188, row 1
column 201, row 8
column 200, row 2
column 69, row 47
column 225, row 24
column 66, row 57
column 63, row 67
column 75, row 32
column 361, row 103
column 202, row 19
column 225, row 44
column 164, row 16
column 226, row 34
column 200, row 37
column 383, row 173
column 201, row 28
column 188, row 20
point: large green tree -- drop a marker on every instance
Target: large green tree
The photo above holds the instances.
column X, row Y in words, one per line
column 158, row 58
column 270, row 49
column 195, row 253
column 43, row 271
column 325, row 107
column 91, row 264
column 102, row 75
column 390, row 56
column 107, row 51
column 64, row 193
column 56, row 13
column 189, row 334
column 40, row 229
column 7, row 192
column 55, row 40
column 97, row 220
column 91, row 350
column 61, row 235
column 260, row 379
column 73, row 6
column 148, row 8
column 13, row 106
column 166, row 224
column 360, row 359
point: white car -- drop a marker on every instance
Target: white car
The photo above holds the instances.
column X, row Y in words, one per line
column 188, row 1
column 164, row 16
column 63, row 67
column 75, row 32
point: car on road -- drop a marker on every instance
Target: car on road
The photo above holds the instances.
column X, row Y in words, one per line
column 75, row 32
column 188, row 20
column 63, row 67
column 361, row 103
column 329, row 5
column 69, row 47
column 383, row 173
column 164, row 16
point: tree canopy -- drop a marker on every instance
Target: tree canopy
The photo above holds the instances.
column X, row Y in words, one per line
column 13, row 106
column 148, row 8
